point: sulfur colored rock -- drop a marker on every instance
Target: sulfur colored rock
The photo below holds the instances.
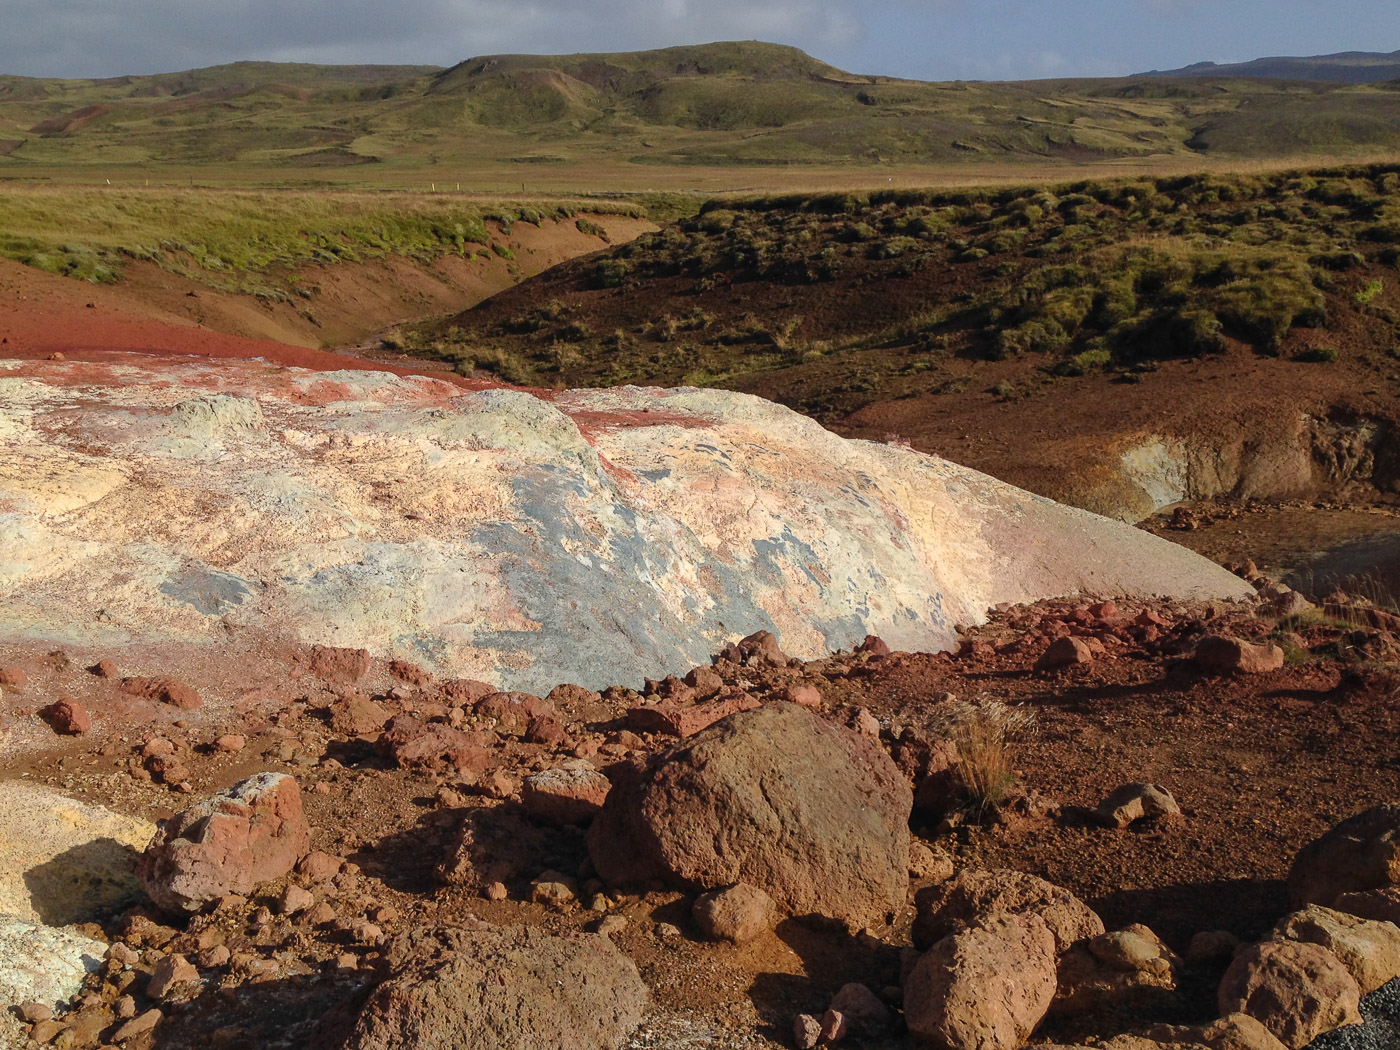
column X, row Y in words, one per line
column 1369, row 949
column 1359, row 855
column 1297, row 991
column 685, row 720
column 811, row 813
column 565, row 796
column 1216, row 654
column 973, row 897
column 985, row 988
column 68, row 717
column 1134, row 802
column 495, row 988
column 1066, row 652
column 737, row 914
column 44, row 964
column 231, row 842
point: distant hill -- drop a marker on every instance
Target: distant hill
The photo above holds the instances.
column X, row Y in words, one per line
column 1346, row 67
column 723, row 104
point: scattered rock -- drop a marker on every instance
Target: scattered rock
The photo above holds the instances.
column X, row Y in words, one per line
column 138, row 1025
column 1296, row 991
column 1360, row 854
column 1134, row 802
column 930, row 864
column 1370, row 950
column 974, row 897
column 861, row 1008
column 1221, row 655
column 806, row 1031
column 814, row 815
column 1125, row 969
column 357, row 715
column 230, row 743
column 1066, row 652
column 413, row 744
column 496, row 988
column 172, row 975
column 319, row 866
column 294, row 899
column 230, row 843
column 685, row 720
column 513, row 712
column 1383, row 904
column 984, row 988
column 105, row 669
column 163, row 690
column 565, row 796
column 808, row 696
column 13, row 678
column 737, row 914
column 68, row 717
column 336, row 666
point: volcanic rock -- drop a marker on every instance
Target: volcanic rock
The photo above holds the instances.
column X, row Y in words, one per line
column 1360, row 854
column 357, row 715
column 1066, row 652
column 1369, row 949
column 68, row 716
column 337, row 666
column 1124, row 969
column 985, row 988
column 44, row 964
column 565, row 796
column 1134, row 802
column 413, row 744
column 1217, row 654
column 685, row 720
column 496, row 988
column 813, row 814
column 976, row 897
column 737, row 914
column 1297, row 991
column 513, row 712
column 231, row 842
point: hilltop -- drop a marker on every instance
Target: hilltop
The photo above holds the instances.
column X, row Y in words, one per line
column 725, row 104
column 1346, row 67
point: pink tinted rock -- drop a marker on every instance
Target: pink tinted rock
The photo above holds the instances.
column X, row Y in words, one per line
column 806, row 1031
column 861, row 1007
column 737, row 914
column 835, row 1027
column 808, row 696
column 464, row 692
column 171, row 975
column 228, row 844
column 410, row 673
column 413, row 744
column 513, row 712
column 874, row 646
column 231, row 743
column 546, row 730
column 1068, row 651
column 565, row 796
column 68, row 717
column 105, row 669
column 13, row 678
column 337, row 666
column 685, row 721
column 706, row 681
column 1218, row 654
column 319, row 866
column 357, row 715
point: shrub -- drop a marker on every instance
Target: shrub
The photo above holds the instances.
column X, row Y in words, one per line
column 987, row 734
column 1373, row 289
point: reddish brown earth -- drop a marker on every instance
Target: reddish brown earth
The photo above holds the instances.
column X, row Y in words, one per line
column 1260, row 765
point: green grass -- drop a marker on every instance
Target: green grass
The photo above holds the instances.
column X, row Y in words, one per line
column 226, row 237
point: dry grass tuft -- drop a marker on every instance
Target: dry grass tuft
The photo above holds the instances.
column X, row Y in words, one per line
column 987, row 733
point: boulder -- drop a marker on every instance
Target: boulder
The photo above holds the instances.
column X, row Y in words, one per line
column 811, row 813
column 495, row 988
column 1220, row 655
column 1382, row 904
column 1360, row 854
column 1297, row 991
column 1126, row 969
column 68, row 717
column 685, row 720
column 984, row 988
column 565, row 796
column 974, row 896
column 1065, row 652
column 338, row 666
column 1370, row 950
column 1134, row 802
column 1233, row 1032
column 357, row 715
column 513, row 712
column 230, row 843
column 414, row 744
column 737, row 914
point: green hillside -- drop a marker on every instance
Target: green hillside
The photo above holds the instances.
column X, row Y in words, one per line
column 1346, row 67
column 727, row 104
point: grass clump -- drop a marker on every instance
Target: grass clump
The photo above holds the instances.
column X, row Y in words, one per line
column 987, row 734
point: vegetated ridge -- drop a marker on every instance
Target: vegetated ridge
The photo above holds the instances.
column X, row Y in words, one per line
column 716, row 104
column 994, row 312
column 1346, row 67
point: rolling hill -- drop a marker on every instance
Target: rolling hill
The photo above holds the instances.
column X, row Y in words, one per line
column 725, row 104
column 1346, row 67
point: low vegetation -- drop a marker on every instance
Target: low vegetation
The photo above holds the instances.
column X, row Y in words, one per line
column 253, row 241
column 879, row 292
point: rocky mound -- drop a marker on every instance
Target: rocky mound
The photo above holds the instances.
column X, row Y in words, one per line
column 515, row 538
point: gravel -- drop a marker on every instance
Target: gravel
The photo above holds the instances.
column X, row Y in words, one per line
column 1381, row 1030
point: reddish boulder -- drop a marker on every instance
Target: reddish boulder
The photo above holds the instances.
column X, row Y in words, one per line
column 985, row 988
column 569, row 695
column 808, row 696
column 464, row 692
column 1218, row 654
column 414, row 744
column 513, row 712
column 357, row 715
column 685, row 720
column 546, row 730
column 410, row 673
column 760, row 649
column 105, row 669
column 706, row 681
column 1068, row 651
column 228, row 844
column 811, row 813
column 874, row 646
column 975, row 897
column 737, row 914
column 163, row 690
column 1297, row 991
column 67, row 716
column 336, row 666
column 565, row 796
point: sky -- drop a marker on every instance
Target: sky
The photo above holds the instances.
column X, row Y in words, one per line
column 922, row 39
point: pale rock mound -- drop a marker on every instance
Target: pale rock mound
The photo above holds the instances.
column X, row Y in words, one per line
column 813, row 814
column 64, row 861
column 497, row 988
column 1370, row 950
column 517, row 538
column 44, row 964
column 974, row 897
column 1297, row 991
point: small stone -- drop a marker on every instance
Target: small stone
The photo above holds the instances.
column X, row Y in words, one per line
column 230, row 743
column 46, row 1031
column 808, row 696
column 1211, row 945
column 835, row 1027
column 925, row 863
column 105, row 669
column 806, row 1031
column 294, row 899
column 68, row 717
column 347, row 961
column 737, row 914
column 496, row 891
column 318, row 866
column 319, row 914
column 212, row 958
column 1221, row 655
column 170, row 976
column 32, row 1012
column 1066, row 652
column 1135, row 802
column 667, row 931
column 862, row 1009
column 125, row 1008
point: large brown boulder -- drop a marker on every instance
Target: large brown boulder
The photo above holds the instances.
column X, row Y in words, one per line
column 985, row 988
column 974, row 897
column 231, row 842
column 809, row 812
column 496, row 988
column 1360, row 854
column 1369, row 950
column 1297, row 991
column 1124, row 969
